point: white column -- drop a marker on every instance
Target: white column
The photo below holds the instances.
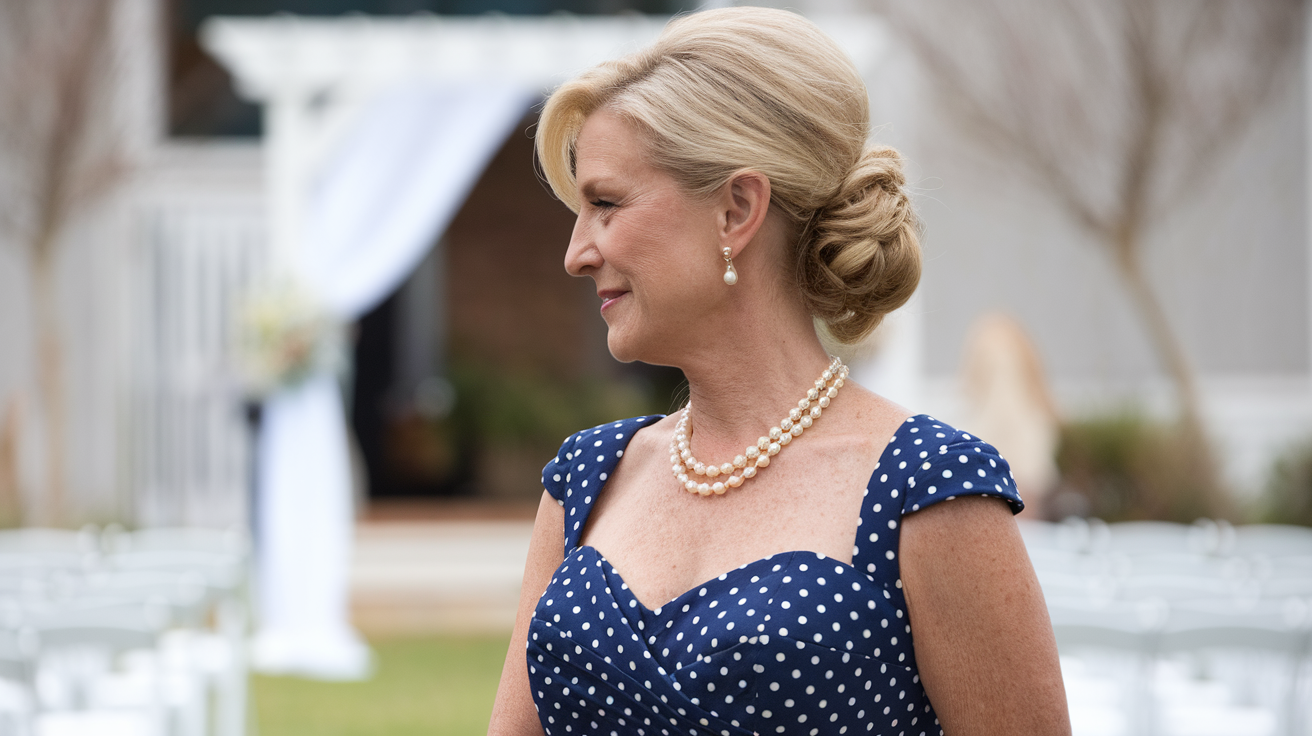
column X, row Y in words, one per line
column 285, row 150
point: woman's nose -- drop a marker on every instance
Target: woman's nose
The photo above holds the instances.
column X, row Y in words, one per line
column 582, row 256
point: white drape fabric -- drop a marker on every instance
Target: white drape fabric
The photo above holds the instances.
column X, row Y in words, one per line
column 396, row 184
column 384, row 198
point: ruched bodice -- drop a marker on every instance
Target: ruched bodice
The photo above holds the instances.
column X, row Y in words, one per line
column 794, row 643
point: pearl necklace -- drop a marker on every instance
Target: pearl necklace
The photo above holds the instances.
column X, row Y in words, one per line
column 755, row 457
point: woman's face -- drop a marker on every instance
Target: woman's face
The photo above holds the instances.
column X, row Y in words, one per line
column 652, row 251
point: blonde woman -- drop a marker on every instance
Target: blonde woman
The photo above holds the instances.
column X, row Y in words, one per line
column 790, row 553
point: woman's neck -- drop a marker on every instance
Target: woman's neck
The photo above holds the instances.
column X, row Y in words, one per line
column 738, row 398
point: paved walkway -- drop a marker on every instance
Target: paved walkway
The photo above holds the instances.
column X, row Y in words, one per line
column 427, row 576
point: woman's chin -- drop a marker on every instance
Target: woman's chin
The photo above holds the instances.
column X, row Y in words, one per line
column 623, row 346
column 619, row 349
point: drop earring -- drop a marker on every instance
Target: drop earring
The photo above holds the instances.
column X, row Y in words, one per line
column 730, row 275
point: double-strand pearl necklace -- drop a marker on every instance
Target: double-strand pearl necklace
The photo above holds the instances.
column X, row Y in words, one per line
column 755, row 457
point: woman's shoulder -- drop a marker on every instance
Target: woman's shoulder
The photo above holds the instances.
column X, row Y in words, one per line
column 935, row 432
column 619, row 430
column 942, row 462
column 591, row 452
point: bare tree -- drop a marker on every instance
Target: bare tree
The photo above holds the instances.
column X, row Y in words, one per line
column 60, row 150
column 1117, row 109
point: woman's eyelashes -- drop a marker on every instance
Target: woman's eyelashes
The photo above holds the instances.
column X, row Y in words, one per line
column 604, row 209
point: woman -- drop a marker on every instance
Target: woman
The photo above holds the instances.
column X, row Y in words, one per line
column 726, row 202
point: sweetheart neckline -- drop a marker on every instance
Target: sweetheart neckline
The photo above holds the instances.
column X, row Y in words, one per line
column 860, row 516
column 788, row 553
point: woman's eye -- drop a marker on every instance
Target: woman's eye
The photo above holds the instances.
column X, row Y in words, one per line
column 602, row 204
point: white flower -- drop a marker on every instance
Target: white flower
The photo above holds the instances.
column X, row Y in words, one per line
column 285, row 336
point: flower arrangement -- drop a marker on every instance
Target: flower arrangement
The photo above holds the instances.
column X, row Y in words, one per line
column 285, row 336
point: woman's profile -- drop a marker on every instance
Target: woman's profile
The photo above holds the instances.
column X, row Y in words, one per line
column 790, row 553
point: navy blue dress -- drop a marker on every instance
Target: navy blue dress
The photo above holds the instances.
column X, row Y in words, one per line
column 795, row 643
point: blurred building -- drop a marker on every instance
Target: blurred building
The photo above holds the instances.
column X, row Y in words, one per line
column 1231, row 266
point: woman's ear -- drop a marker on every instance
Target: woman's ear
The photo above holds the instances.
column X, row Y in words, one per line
column 744, row 205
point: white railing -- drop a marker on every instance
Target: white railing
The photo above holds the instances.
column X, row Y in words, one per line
column 198, row 244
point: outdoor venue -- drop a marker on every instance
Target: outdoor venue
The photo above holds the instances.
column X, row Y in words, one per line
column 282, row 362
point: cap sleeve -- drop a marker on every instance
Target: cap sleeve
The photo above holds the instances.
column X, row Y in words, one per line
column 576, row 476
column 555, row 473
column 960, row 464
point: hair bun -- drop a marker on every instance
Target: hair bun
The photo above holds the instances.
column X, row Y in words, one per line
column 862, row 257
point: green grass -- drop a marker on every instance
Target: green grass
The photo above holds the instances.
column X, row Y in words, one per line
column 436, row 686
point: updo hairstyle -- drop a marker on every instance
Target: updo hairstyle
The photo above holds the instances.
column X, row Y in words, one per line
column 730, row 89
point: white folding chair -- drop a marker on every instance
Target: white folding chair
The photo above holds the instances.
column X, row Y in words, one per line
column 1039, row 535
column 76, row 687
column 215, row 643
column 1130, row 628
column 1274, row 540
column 17, row 700
column 1176, row 588
column 1178, row 602
column 36, row 540
column 191, row 539
column 1135, row 537
column 1283, row 576
column 1187, row 563
column 1088, row 536
column 1279, row 631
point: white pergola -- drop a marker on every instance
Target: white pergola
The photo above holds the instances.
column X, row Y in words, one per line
column 314, row 75
column 318, row 79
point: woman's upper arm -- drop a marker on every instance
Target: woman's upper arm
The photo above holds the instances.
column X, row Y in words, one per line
column 514, row 713
column 983, row 640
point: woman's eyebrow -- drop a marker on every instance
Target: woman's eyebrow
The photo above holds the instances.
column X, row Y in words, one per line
column 589, row 187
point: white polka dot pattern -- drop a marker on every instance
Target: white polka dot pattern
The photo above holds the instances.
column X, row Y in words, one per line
column 796, row 643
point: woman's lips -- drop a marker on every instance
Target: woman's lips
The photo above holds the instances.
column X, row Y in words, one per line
column 609, row 298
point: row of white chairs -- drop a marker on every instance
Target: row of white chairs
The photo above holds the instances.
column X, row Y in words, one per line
column 1207, row 560
column 1217, row 538
column 1180, row 629
column 106, row 631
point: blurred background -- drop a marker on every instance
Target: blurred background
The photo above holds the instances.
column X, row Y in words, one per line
column 285, row 340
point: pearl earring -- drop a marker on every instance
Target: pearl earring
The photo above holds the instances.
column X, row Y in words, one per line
column 730, row 275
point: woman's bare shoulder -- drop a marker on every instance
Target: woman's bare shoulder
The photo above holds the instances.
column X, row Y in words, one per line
column 652, row 442
column 868, row 418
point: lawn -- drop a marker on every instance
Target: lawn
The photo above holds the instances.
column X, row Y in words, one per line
column 435, row 686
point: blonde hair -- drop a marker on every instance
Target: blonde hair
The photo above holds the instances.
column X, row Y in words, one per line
column 761, row 89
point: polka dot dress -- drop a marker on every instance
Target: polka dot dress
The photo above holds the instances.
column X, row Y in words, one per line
column 796, row 643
